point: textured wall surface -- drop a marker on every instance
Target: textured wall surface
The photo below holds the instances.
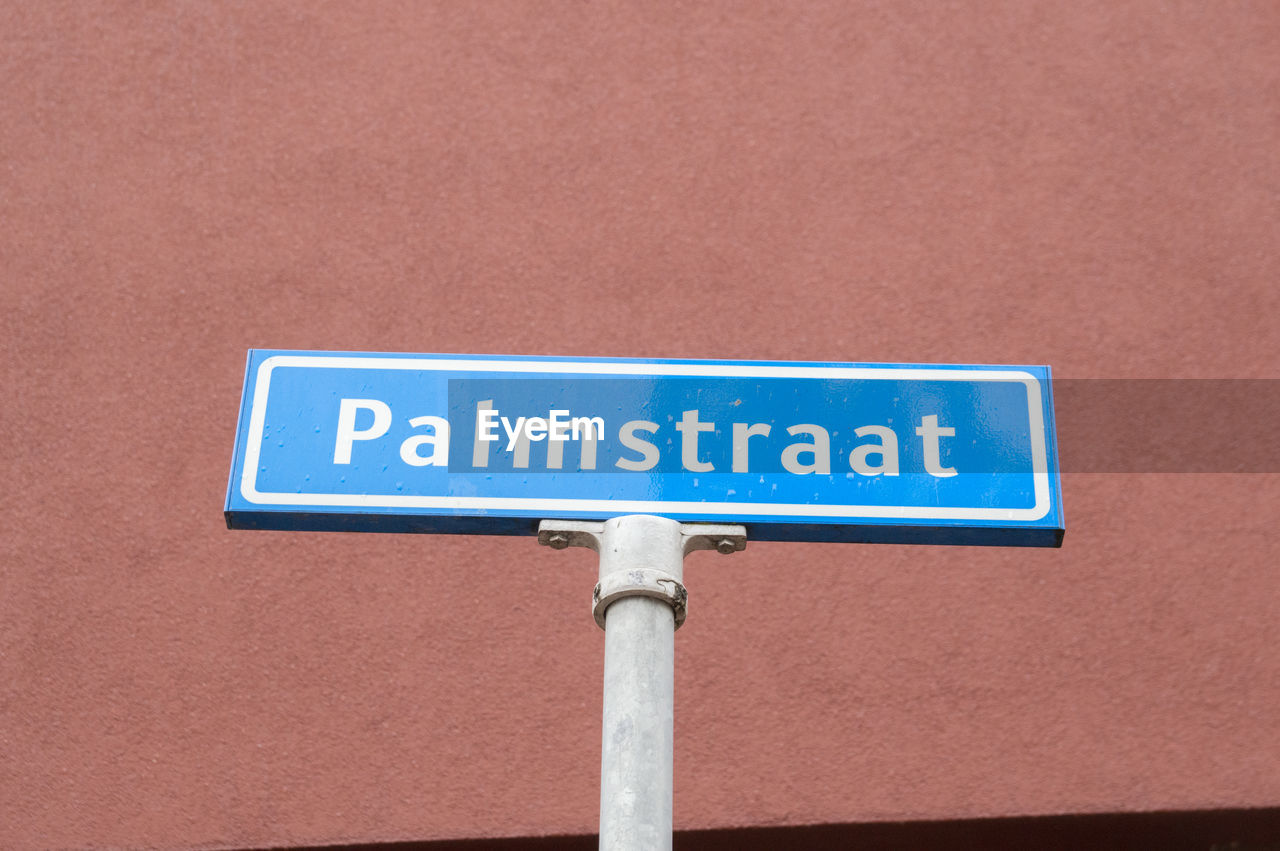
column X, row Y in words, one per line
column 1092, row 185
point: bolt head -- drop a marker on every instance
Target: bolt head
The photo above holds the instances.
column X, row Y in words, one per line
column 726, row 546
column 558, row 541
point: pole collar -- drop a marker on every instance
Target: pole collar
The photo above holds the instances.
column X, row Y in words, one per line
column 629, row 548
column 640, row 582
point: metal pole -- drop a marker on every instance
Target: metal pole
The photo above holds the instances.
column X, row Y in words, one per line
column 640, row 601
column 637, row 749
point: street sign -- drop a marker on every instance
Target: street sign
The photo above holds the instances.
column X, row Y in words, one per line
column 894, row 453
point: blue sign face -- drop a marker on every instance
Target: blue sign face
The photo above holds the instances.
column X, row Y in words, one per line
column 793, row 451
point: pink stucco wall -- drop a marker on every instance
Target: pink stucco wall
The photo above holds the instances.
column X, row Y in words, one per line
column 1090, row 185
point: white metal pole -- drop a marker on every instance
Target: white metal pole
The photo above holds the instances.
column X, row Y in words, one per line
column 640, row 601
column 637, row 748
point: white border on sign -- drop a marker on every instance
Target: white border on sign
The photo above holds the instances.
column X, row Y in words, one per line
column 258, row 415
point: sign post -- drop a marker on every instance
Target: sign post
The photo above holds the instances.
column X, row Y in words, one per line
column 640, row 601
column 645, row 461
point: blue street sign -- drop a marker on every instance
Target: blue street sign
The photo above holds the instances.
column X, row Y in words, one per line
column 794, row 451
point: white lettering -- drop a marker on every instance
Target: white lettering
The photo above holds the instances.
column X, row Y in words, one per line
column 689, row 429
column 439, row 440
column 742, row 434
column 347, row 432
column 557, row 428
column 486, row 423
column 879, row 455
column 887, row 449
column 512, row 431
column 481, row 441
column 592, row 428
column 931, row 431
column 520, row 455
column 627, row 434
column 587, row 446
column 535, row 428
column 820, row 449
